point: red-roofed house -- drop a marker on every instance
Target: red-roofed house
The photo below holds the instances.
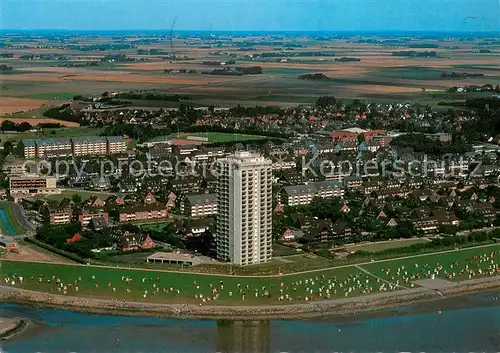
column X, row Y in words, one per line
column 73, row 239
column 278, row 209
column 343, row 136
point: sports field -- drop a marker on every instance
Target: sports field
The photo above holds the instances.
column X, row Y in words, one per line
column 84, row 194
column 210, row 137
column 338, row 282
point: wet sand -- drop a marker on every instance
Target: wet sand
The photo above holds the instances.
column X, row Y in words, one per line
column 10, row 327
column 348, row 306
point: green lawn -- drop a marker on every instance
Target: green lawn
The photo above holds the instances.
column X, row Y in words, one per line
column 424, row 266
column 84, row 194
column 163, row 286
column 99, row 282
column 52, row 133
column 63, row 96
column 153, row 226
column 211, row 136
column 385, row 245
column 132, row 143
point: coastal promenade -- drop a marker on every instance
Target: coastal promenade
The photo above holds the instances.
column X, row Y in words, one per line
column 347, row 306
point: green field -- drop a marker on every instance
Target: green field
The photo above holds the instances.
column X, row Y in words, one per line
column 52, row 133
column 424, row 266
column 84, row 194
column 11, row 218
column 62, row 96
column 409, row 73
column 385, row 245
column 160, row 286
column 211, row 136
column 99, row 282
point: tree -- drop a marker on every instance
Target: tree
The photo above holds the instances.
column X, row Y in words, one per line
column 8, row 147
column 76, row 198
column 325, row 101
column 24, row 126
column 8, row 125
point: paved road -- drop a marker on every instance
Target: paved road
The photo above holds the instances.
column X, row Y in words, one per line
column 379, row 278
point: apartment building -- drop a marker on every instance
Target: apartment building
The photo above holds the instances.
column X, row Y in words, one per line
column 116, row 144
column 303, row 194
column 53, row 148
column 87, row 215
column 78, row 146
column 29, row 148
column 144, row 212
column 60, row 216
column 244, row 208
column 90, row 145
column 199, row 205
column 33, row 185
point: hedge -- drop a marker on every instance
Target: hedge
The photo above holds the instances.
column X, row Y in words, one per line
column 63, row 253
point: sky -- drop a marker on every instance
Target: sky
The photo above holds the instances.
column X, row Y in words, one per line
column 262, row 15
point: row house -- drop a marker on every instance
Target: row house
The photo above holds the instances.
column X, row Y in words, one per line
column 353, row 182
column 291, row 235
column 60, row 216
column 199, row 205
column 132, row 242
column 144, row 212
column 391, row 192
column 160, row 151
column 303, row 194
column 186, row 185
column 196, row 227
column 86, row 216
column 184, row 150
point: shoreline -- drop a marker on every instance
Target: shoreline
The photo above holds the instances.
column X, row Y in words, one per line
column 12, row 327
column 337, row 307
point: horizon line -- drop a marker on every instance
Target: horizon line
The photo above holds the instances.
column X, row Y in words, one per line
column 249, row 30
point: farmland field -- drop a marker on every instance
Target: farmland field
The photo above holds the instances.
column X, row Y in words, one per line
column 9, row 105
column 378, row 75
column 175, row 287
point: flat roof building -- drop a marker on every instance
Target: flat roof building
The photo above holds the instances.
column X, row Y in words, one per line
column 244, row 208
column 174, row 259
column 33, row 185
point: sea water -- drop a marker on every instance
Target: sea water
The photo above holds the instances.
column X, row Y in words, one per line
column 5, row 221
column 469, row 324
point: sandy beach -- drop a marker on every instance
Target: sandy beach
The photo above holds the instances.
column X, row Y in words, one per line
column 360, row 304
